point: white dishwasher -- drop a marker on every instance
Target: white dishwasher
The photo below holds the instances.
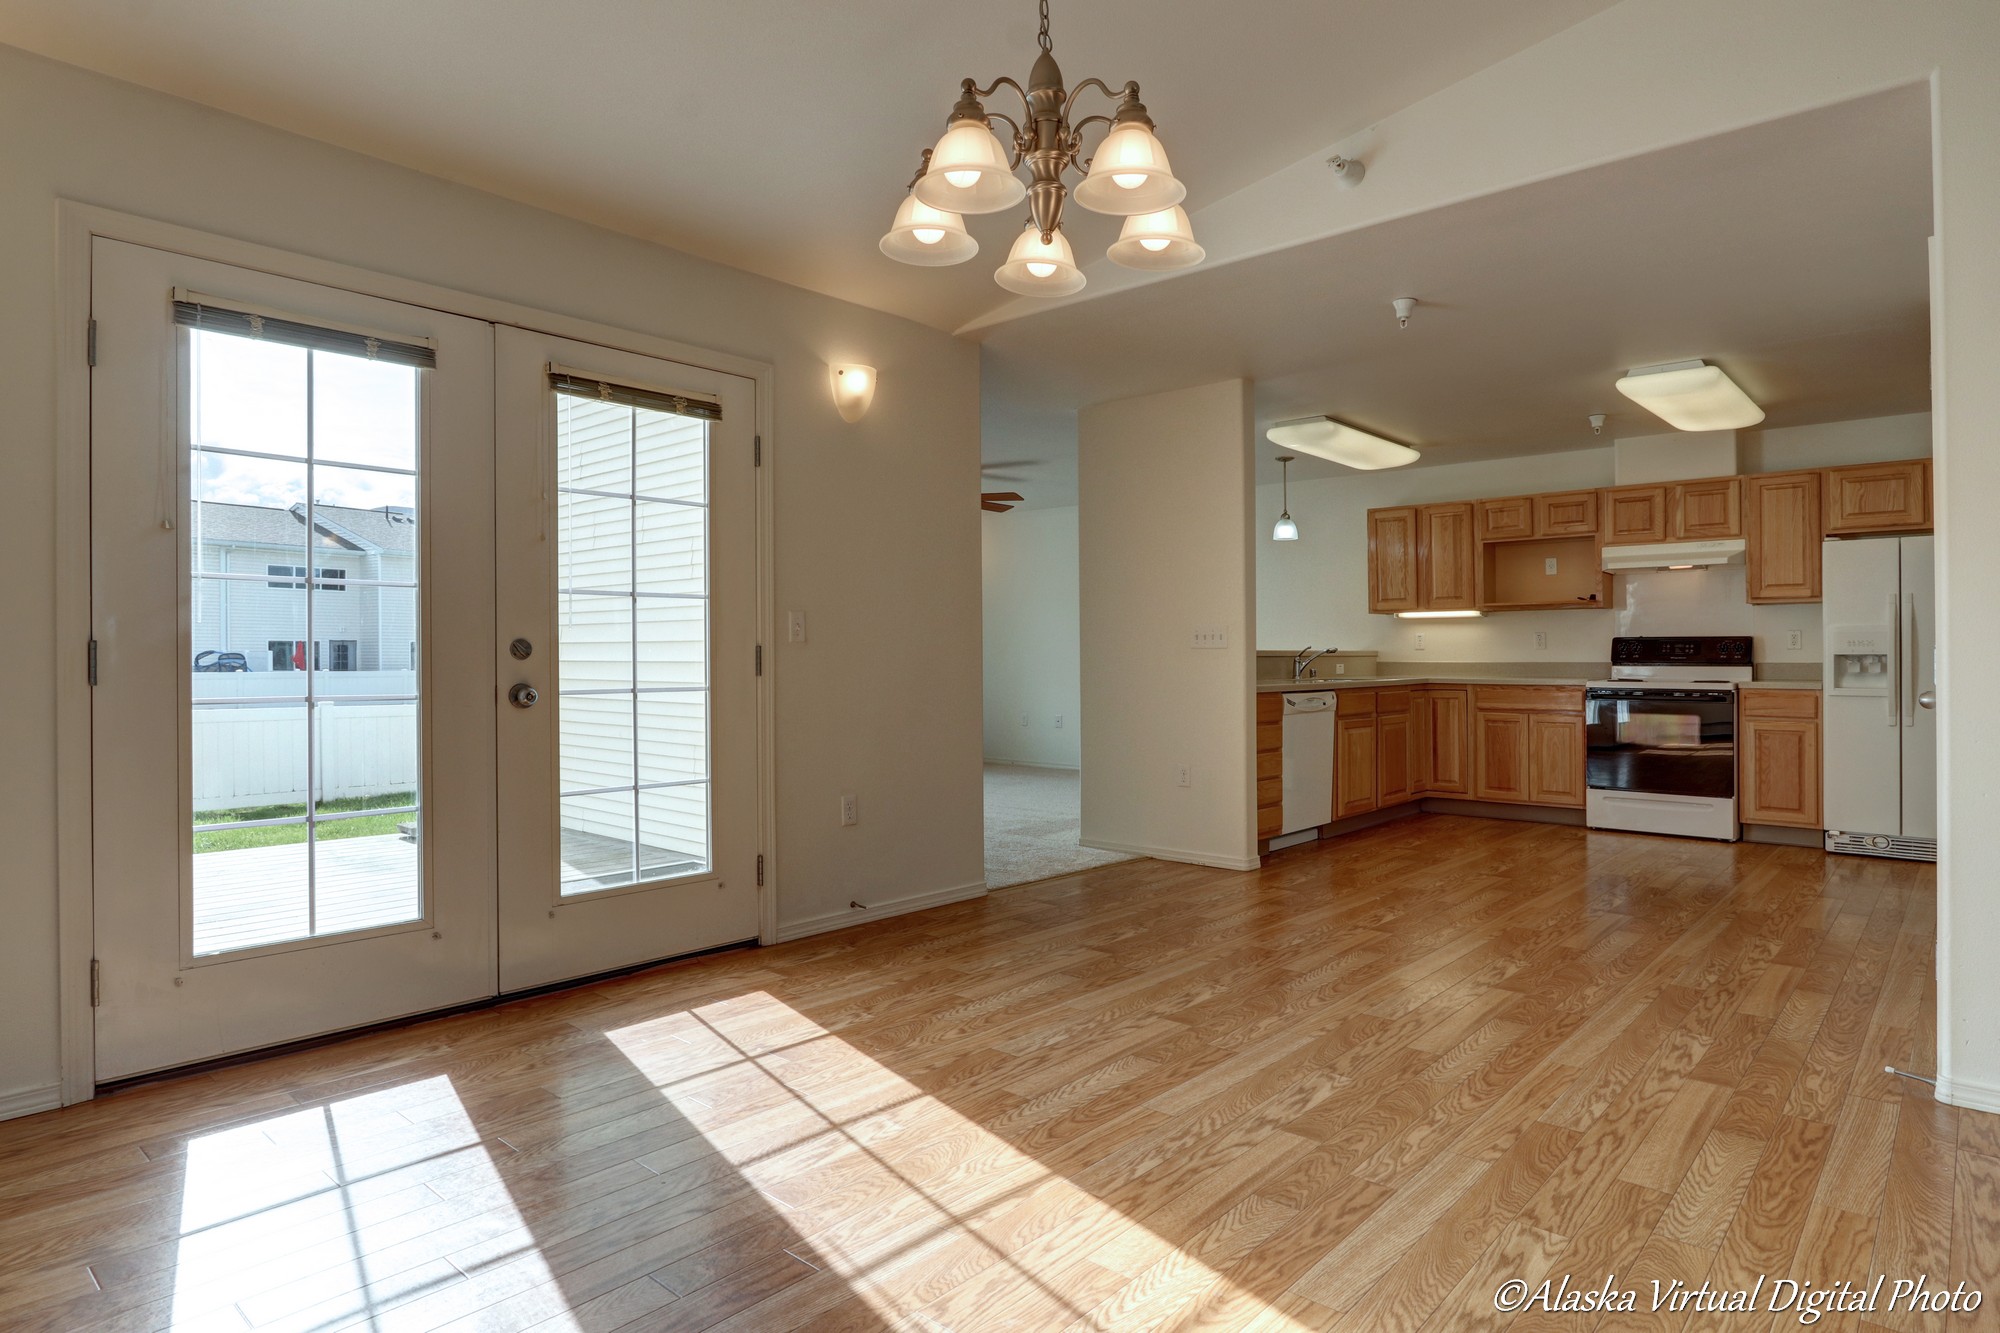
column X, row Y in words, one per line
column 1308, row 755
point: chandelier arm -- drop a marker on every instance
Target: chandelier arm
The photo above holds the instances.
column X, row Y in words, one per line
column 1129, row 90
column 1077, row 159
column 1019, row 138
column 1003, row 82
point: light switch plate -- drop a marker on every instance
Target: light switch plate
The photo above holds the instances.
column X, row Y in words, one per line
column 1541, row 638
column 850, row 812
column 1210, row 636
column 795, row 626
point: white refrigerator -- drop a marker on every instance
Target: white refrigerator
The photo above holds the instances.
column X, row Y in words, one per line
column 1880, row 754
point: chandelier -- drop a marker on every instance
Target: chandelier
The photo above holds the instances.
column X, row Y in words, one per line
column 973, row 171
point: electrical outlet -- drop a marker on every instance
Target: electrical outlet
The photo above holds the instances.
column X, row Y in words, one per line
column 1059, row 721
column 850, row 812
column 1541, row 638
column 1186, row 776
column 1795, row 640
column 1340, row 668
column 1549, row 565
column 1210, row 636
column 1420, row 643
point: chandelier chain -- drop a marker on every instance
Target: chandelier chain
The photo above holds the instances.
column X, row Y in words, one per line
column 1044, row 38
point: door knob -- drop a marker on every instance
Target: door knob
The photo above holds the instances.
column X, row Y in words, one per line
column 523, row 696
column 1928, row 699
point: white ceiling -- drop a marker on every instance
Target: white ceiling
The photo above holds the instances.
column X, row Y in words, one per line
column 777, row 136
column 1793, row 254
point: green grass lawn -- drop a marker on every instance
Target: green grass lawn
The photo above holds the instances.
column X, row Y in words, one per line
column 279, row 835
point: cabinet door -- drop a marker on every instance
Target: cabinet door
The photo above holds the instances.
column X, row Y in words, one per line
column 1393, row 781
column 1445, row 558
column 1555, row 759
column 1780, row 777
column 1504, row 520
column 1566, row 514
column 1354, row 767
column 1392, row 559
column 1879, row 497
column 1445, row 745
column 1783, row 518
column 1500, row 756
column 1634, row 515
column 1708, row 510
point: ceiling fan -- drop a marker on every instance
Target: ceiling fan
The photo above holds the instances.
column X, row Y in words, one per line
column 990, row 500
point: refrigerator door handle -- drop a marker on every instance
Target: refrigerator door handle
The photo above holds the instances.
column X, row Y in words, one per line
column 1910, row 659
column 1895, row 663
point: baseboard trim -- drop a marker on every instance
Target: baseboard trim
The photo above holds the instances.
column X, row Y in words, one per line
column 1777, row 835
column 30, row 1101
column 1175, row 854
column 858, row 916
column 1526, row 814
column 1971, row 1096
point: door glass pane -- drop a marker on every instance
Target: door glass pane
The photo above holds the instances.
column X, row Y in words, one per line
column 632, row 626
column 305, row 731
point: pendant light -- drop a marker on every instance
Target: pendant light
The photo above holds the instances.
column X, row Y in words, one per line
column 1285, row 530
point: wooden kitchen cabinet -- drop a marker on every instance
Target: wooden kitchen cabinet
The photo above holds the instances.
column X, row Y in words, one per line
column 1446, row 560
column 1395, row 781
column 1509, row 519
column 1782, row 517
column 1778, row 757
column 1354, row 766
column 1878, row 497
column 1500, row 756
column 1440, row 734
column 1566, row 514
column 1555, row 759
column 1635, row 515
column 1708, row 510
column 1392, row 559
column 1270, row 764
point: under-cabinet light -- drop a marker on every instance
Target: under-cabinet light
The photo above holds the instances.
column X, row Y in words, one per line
column 1439, row 615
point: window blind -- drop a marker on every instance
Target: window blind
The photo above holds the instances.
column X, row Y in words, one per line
column 626, row 395
column 270, row 328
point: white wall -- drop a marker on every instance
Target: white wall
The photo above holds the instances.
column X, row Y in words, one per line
column 875, row 531
column 1166, row 488
column 1315, row 590
column 1033, row 690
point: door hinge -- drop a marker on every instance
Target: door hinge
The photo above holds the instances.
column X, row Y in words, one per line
column 756, row 446
column 96, row 983
column 93, row 661
column 760, row 870
column 760, row 659
column 90, row 344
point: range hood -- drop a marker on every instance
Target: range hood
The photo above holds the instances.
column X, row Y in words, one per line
column 1673, row 555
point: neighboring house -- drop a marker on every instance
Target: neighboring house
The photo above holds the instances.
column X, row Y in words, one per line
column 357, row 624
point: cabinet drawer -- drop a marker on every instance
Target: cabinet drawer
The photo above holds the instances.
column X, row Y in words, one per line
column 1779, row 703
column 1356, row 703
column 1270, row 737
column 1270, row 708
column 1270, row 791
column 1392, row 701
column 1528, row 698
column 1270, row 764
column 1270, row 819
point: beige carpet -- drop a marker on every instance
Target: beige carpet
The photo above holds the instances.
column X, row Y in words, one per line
column 1033, row 816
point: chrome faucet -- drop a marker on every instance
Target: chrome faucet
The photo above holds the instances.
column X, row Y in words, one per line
column 1300, row 660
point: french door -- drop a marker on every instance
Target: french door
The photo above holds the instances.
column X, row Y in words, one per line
column 627, row 654
column 322, row 564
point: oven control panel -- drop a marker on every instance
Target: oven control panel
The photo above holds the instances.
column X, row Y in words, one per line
column 1681, row 652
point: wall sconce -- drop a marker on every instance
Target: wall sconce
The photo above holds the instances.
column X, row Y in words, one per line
column 853, row 391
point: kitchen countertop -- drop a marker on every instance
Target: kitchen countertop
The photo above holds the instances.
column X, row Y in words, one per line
column 1780, row 685
column 1364, row 682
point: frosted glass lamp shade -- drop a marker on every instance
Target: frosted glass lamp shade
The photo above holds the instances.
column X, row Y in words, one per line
column 969, row 172
column 1163, row 240
column 853, row 390
column 1692, row 396
column 1285, row 530
column 1129, row 174
column 928, row 236
column 1323, row 437
column 1037, row 269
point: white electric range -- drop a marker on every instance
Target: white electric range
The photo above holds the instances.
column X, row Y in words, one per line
column 1661, row 737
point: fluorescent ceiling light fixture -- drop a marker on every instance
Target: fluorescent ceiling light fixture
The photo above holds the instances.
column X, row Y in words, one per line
column 1438, row 615
column 1691, row 395
column 1323, row 437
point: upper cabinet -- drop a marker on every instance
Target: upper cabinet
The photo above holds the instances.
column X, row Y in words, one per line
column 1508, row 519
column 1782, row 513
column 1566, row 514
column 1635, row 515
column 1709, row 510
column 1878, row 497
column 1420, row 558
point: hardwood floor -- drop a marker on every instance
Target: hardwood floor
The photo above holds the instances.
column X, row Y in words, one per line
column 1359, row 1089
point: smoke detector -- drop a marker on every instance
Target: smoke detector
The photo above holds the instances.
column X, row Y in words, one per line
column 1404, row 305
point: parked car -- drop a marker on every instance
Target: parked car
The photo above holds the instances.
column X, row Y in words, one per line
column 213, row 660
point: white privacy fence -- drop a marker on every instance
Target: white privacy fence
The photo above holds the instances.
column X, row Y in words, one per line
column 251, row 754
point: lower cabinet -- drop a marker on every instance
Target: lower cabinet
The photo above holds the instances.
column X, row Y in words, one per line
column 1778, row 755
column 1555, row 759
column 1354, row 761
column 1395, row 782
column 1270, row 764
column 1528, row 744
column 1499, row 756
column 1440, row 734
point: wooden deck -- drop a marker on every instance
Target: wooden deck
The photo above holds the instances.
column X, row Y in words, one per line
column 1356, row 1090
column 257, row 895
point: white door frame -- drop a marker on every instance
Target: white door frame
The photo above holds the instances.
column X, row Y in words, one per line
column 77, row 224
